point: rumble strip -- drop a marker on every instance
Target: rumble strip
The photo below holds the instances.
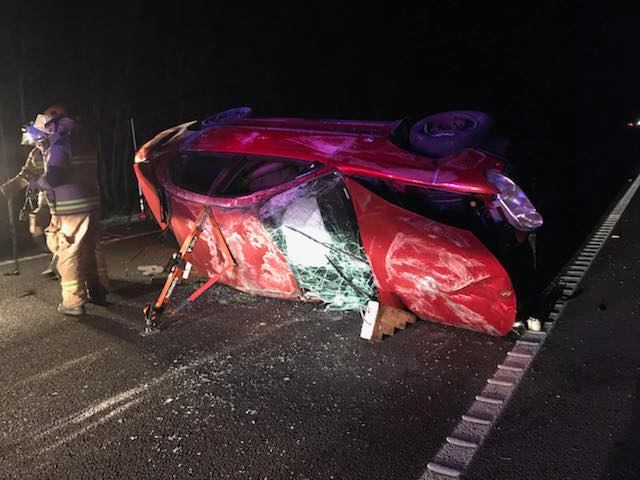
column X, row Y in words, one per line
column 460, row 446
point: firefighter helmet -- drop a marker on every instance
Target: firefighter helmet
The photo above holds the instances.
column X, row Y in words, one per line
column 46, row 120
column 54, row 112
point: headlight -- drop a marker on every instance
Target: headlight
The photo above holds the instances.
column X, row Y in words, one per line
column 518, row 209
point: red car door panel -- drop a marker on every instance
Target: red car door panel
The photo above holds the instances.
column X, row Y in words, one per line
column 261, row 268
column 441, row 273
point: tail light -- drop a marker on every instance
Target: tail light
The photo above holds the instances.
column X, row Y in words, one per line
column 517, row 208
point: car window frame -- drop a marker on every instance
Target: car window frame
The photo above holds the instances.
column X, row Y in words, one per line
column 310, row 168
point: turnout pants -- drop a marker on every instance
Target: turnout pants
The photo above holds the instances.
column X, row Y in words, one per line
column 75, row 240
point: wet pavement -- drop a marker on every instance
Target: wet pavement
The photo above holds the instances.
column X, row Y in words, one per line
column 235, row 387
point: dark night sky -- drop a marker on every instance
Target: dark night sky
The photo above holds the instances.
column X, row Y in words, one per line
column 560, row 79
column 178, row 62
column 607, row 64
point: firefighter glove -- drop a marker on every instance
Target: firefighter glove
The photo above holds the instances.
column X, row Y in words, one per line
column 28, row 172
column 13, row 186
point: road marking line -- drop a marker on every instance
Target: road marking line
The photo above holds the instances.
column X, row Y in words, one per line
column 444, row 470
column 104, row 242
column 129, row 237
column 99, row 421
column 491, row 400
column 477, row 420
column 519, row 355
column 46, row 374
column 96, row 409
column 24, row 259
column 459, row 442
column 510, row 368
column 502, row 383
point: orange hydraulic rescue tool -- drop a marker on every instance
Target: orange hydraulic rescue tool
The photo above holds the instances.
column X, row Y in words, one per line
column 180, row 266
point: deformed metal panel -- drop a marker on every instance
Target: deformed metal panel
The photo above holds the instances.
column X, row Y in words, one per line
column 441, row 273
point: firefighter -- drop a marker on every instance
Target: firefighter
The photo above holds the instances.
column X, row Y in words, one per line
column 38, row 215
column 70, row 185
column 33, row 166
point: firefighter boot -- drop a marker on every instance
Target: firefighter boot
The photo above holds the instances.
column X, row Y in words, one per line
column 75, row 311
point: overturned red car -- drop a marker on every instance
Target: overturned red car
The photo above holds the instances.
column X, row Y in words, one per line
column 416, row 214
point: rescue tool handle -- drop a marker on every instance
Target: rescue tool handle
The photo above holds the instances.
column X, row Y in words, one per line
column 177, row 266
column 180, row 265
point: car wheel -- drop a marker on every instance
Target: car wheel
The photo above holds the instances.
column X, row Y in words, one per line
column 444, row 133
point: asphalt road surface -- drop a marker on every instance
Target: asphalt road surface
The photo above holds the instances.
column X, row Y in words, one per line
column 576, row 414
column 235, row 387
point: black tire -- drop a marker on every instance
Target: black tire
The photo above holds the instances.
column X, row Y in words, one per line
column 444, row 133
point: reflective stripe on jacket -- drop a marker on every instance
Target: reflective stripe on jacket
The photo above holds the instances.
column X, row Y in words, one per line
column 79, row 191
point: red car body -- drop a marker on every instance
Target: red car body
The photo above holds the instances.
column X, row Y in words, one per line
column 440, row 272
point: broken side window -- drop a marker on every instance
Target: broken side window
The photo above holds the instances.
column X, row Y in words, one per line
column 314, row 226
column 256, row 174
column 232, row 175
column 197, row 172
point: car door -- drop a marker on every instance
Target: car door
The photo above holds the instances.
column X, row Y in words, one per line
column 234, row 187
column 441, row 273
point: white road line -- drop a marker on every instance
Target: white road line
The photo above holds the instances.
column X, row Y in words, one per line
column 510, row 368
column 502, row 383
column 519, row 354
column 461, row 443
column 491, row 400
column 99, row 421
column 24, row 259
column 69, row 364
column 478, row 420
column 129, row 237
column 444, row 470
column 104, row 242
column 96, row 409
column 97, row 414
column 456, row 454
